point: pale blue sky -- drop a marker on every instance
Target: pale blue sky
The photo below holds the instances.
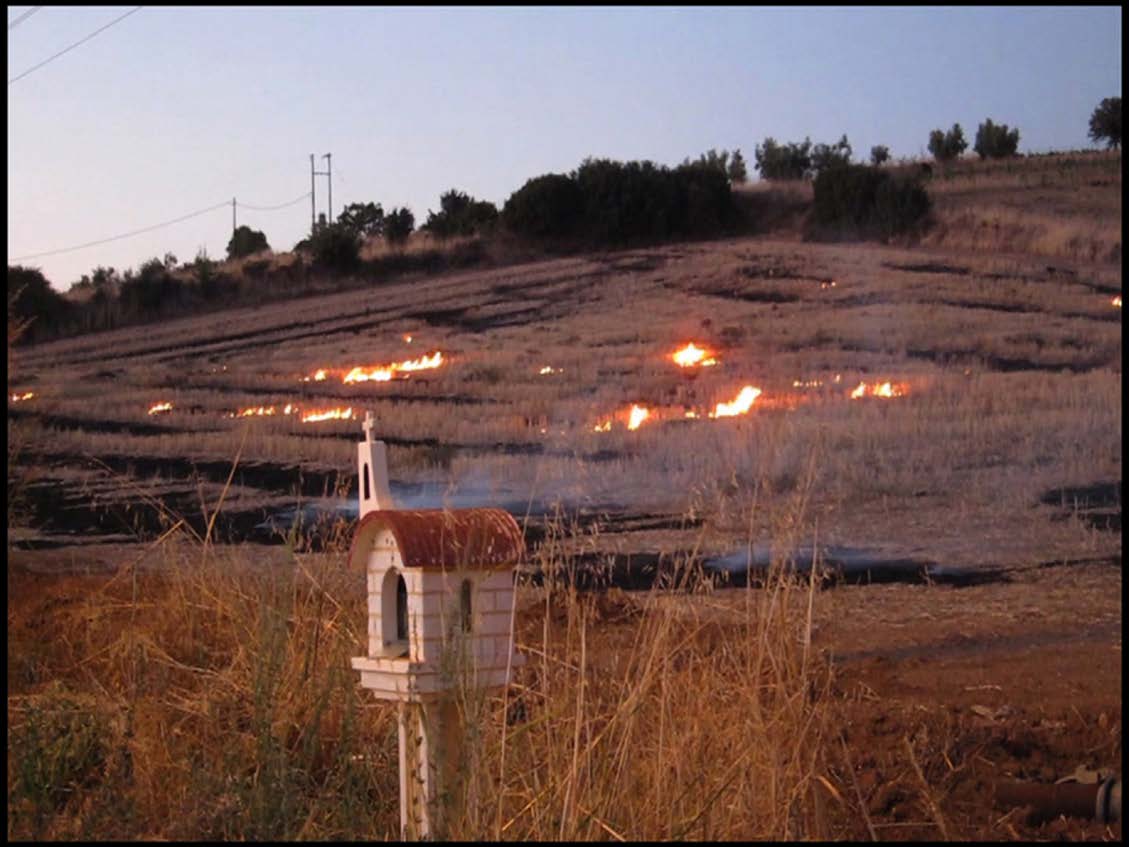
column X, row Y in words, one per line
column 177, row 109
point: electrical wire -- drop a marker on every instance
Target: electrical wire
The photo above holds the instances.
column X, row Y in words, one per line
column 189, row 216
column 123, row 235
column 76, row 44
column 23, row 17
column 272, row 208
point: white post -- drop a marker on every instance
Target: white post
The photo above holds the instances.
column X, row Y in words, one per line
column 372, row 472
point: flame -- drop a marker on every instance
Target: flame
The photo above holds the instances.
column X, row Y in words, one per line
column 691, row 355
column 828, row 284
column 1116, row 301
column 328, row 414
column 606, row 426
column 548, row 369
column 636, row 417
column 739, row 406
column 158, row 408
column 27, row 395
column 811, row 383
column 407, row 338
column 383, row 373
column 885, row 389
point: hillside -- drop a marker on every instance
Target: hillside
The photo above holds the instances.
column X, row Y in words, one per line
column 938, row 424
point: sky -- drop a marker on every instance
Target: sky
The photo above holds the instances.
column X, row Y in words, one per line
column 172, row 110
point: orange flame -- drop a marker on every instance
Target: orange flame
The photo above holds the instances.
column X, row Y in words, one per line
column 158, row 408
column 384, row 373
column 636, row 417
column 885, row 390
column 691, row 355
column 1116, row 301
column 740, row 405
column 407, row 338
column 328, row 414
column 16, row 398
column 606, row 426
column 548, row 369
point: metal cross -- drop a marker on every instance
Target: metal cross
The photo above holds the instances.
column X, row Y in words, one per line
column 368, row 426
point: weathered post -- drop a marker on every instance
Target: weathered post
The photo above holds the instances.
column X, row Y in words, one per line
column 440, row 587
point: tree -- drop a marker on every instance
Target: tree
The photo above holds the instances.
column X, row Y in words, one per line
column 364, row 219
column 460, row 214
column 824, row 156
column 738, row 172
column 1105, row 122
column 879, row 154
column 398, row 225
column 33, row 304
column 995, row 141
column 946, row 146
column 245, row 241
column 547, row 206
column 783, row 161
column 336, row 247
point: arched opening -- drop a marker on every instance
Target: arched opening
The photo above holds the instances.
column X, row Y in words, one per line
column 368, row 490
column 465, row 613
column 394, row 614
column 401, row 609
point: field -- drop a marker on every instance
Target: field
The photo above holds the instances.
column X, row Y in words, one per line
column 830, row 616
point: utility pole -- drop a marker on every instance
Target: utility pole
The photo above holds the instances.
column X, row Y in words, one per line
column 233, row 227
column 313, row 202
column 329, row 174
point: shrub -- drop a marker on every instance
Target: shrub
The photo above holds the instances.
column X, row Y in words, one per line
column 738, row 171
column 995, row 141
column 398, row 225
column 879, row 154
column 946, row 146
column 151, row 290
column 366, row 220
column 824, row 156
column 33, row 302
column 783, row 161
column 1105, row 122
column 336, row 247
column 547, row 206
column 245, row 241
column 868, row 201
column 460, row 214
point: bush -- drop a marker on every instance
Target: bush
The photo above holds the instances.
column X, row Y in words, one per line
column 366, row 220
column 730, row 164
column 995, row 141
column 879, row 154
column 547, row 206
column 398, row 225
column 824, row 156
column 31, row 299
column 245, row 241
column 460, row 214
column 1105, row 122
column 868, row 201
column 151, row 290
column 946, row 146
column 336, row 247
column 783, row 161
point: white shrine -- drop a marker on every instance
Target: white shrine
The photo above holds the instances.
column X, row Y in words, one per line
column 440, row 615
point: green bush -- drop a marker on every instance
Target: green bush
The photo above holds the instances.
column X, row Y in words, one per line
column 245, row 241
column 460, row 214
column 879, row 154
column 824, row 156
column 366, row 220
column 35, row 301
column 995, row 141
column 398, row 225
column 547, row 206
column 946, row 146
column 784, row 161
column 336, row 247
column 866, row 201
column 1105, row 122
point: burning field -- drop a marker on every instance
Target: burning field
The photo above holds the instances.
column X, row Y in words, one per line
column 934, row 438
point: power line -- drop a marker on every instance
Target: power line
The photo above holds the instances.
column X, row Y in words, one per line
column 123, row 235
column 23, row 17
column 157, row 226
column 76, row 44
column 273, row 208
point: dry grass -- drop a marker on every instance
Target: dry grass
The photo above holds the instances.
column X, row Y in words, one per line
column 202, row 694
